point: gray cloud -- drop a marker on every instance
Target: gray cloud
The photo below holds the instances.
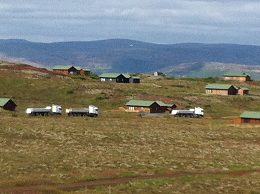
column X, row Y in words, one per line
column 147, row 20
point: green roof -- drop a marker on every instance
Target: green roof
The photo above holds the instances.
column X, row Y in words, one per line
column 85, row 69
column 250, row 115
column 135, row 77
column 66, row 67
column 77, row 67
column 114, row 75
column 219, row 86
column 3, row 101
column 62, row 67
column 244, row 88
column 236, row 74
column 110, row 75
column 147, row 103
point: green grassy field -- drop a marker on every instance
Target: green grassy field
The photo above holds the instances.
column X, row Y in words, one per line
column 62, row 149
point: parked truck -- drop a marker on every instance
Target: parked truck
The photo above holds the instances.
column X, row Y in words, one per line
column 48, row 110
column 196, row 112
column 91, row 111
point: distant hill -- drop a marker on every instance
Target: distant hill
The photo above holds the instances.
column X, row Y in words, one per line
column 123, row 55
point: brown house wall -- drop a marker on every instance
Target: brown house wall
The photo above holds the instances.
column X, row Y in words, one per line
column 154, row 108
column 230, row 91
column 251, row 121
column 62, row 71
column 247, row 78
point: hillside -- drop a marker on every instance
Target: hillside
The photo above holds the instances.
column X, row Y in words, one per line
column 120, row 55
column 206, row 153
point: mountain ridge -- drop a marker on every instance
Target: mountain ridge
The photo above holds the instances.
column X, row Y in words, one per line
column 125, row 55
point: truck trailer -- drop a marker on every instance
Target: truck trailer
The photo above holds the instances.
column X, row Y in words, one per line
column 91, row 111
column 47, row 111
column 196, row 112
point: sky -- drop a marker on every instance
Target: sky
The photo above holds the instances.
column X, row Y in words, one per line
column 154, row 21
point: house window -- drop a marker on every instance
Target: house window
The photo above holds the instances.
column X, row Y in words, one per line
column 227, row 77
column 209, row 91
column 103, row 79
column 110, row 79
column 131, row 108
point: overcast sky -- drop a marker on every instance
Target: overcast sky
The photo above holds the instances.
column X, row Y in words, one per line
column 155, row 21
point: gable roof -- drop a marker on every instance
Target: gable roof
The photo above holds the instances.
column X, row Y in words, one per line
column 3, row 101
column 110, row 75
column 62, row 67
column 66, row 67
column 147, row 103
column 236, row 74
column 114, row 75
column 77, row 67
column 220, row 86
column 250, row 115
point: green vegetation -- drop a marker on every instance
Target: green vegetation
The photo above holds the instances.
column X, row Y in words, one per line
column 118, row 144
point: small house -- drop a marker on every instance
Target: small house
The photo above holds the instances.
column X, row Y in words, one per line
column 221, row 89
column 250, row 117
column 149, row 106
column 157, row 73
column 238, row 76
column 7, row 104
column 66, row 69
column 71, row 70
column 243, row 91
column 119, row 78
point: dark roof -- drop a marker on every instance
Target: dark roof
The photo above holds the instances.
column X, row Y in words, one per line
column 147, row 103
column 236, row 74
column 115, row 75
column 250, row 115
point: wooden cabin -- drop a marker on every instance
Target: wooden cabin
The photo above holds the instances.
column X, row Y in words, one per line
column 252, row 117
column 7, row 104
column 221, row 89
column 149, row 106
column 238, row 76
column 119, row 78
column 71, row 70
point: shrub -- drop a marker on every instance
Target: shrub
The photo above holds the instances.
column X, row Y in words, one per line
column 177, row 85
column 70, row 92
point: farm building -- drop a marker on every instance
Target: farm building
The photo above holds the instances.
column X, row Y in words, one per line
column 222, row 89
column 249, row 117
column 243, row 91
column 236, row 76
column 119, row 78
column 68, row 69
column 149, row 106
column 157, row 73
column 7, row 104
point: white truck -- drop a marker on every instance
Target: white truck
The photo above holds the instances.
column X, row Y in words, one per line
column 91, row 111
column 48, row 110
column 196, row 112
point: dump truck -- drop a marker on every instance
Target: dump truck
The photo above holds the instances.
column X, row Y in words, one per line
column 91, row 111
column 196, row 112
column 47, row 111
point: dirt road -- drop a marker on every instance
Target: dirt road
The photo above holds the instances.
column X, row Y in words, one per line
column 110, row 182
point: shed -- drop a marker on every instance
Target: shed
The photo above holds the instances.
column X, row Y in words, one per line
column 7, row 104
column 239, row 76
column 243, row 91
column 149, row 106
column 222, row 89
column 250, row 117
